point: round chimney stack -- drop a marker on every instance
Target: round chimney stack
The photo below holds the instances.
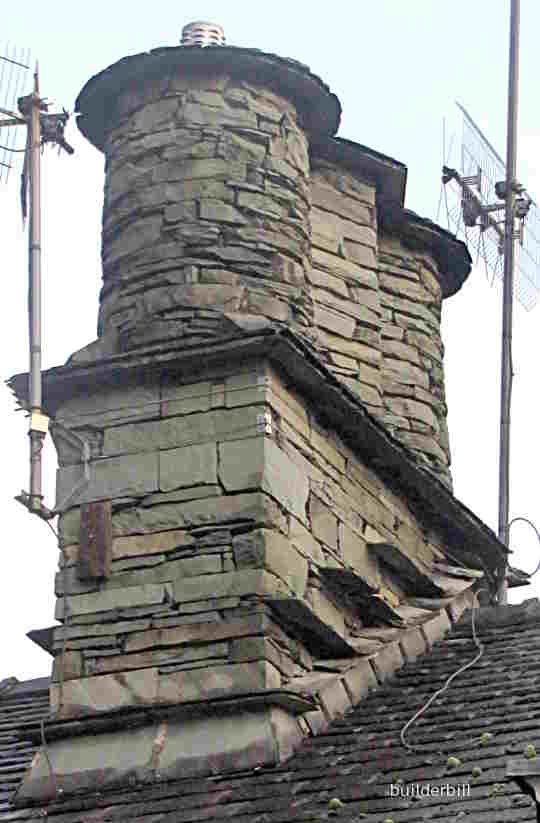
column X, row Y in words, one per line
column 202, row 34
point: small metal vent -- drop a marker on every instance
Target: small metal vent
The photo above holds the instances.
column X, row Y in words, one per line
column 202, row 34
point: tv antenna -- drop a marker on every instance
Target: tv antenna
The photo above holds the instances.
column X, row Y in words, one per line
column 489, row 199
column 30, row 111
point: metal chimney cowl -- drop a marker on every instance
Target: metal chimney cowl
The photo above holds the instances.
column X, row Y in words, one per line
column 202, row 34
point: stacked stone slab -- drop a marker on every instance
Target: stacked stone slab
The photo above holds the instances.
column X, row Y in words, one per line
column 345, row 289
column 412, row 361
column 377, row 309
column 206, row 217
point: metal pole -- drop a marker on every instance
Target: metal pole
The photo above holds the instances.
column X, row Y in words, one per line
column 506, row 359
column 35, row 433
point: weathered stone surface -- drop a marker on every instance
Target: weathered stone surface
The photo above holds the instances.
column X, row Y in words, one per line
column 144, row 544
column 351, row 272
column 412, row 644
column 335, row 699
column 220, row 212
column 460, row 604
column 387, row 661
column 325, row 443
column 401, row 372
column 427, row 344
column 359, row 253
column 92, row 695
column 205, row 632
column 217, row 681
column 334, row 322
column 134, row 474
column 367, row 393
column 246, row 583
column 251, row 649
column 178, row 398
column 165, row 572
column 182, row 495
column 324, row 524
column 114, row 405
column 302, row 539
column 421, row 443
column 359, row 680
column 112, row 599
column 218, row 424
column 413, row 409
column 187, row 466
column 288, row 733
column 404, row 287
column 260, row 463
column 270, row 550
column 127, row 241
column 365, row 311
column 68, row 665
column 324, row 280
column 100, row 629
column 168, row 659
column 317, row 721
column 330, row 200
column 402, row 351
column 436, row 628
column 366, row 353
column 178, row 749
column 270, row 307
column 182, row 620
column 256, row 509
column 185, row 210
column 245, row 389
column 355, row 553
column 391, row 331
column 326, row 610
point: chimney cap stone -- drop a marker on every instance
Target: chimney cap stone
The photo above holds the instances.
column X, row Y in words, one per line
column 319, row 109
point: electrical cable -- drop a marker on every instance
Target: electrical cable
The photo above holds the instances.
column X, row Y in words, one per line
column 447, row 682
column 536, row 531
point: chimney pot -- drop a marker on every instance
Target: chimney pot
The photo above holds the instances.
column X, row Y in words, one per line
column 201, row 34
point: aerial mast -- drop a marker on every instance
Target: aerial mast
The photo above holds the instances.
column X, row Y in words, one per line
column 41, row 128
column 486, row 186
column 508, row 284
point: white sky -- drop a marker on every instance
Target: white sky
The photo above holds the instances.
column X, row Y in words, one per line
column 397, row 68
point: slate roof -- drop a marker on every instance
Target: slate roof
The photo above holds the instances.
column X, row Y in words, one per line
column 357, row 758
column 22, row 705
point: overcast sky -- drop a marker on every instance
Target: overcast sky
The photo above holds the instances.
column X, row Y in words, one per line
column 397, row 68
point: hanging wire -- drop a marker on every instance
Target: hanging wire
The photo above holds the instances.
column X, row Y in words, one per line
column 448, row 682
column 536, row 531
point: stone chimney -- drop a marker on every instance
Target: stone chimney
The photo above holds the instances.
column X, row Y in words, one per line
column 268, row 335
